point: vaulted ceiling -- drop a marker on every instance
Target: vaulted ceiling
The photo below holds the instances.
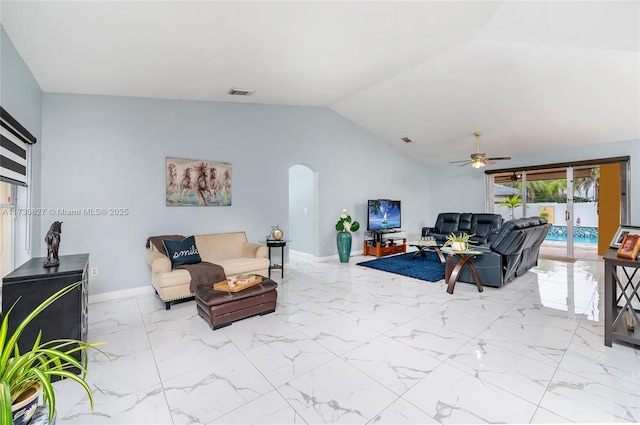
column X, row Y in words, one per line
column 532, row 75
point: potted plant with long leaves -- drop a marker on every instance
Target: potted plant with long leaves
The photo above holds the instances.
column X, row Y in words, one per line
column 44, row 362
column 458, row 242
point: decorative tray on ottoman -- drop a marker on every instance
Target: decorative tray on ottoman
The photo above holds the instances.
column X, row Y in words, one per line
column 237, row 283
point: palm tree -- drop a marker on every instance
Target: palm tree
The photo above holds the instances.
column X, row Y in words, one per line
column 583, row 184
column 375, row 206
column 511, row 203
column 546, row 190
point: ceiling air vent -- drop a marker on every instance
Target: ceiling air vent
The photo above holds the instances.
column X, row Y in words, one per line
column 407, row 140
column 240, row 92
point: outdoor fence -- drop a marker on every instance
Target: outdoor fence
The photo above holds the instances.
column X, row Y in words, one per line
column 585, row 224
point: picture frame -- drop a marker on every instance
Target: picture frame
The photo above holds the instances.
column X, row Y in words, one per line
column 197, row 182
column 622, row 231
column 629, row 247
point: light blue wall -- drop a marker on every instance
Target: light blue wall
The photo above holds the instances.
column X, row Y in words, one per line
column 109, row 152
column 302, row 209
column 20, row 95
column 453, row 188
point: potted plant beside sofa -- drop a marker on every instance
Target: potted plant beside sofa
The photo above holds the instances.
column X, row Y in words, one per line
column 32, row 371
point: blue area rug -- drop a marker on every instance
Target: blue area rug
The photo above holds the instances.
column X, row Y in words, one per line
column 429, row 268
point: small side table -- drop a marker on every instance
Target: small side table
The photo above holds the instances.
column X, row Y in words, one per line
column 273, row 243
column 452, row 272
column 621, row 291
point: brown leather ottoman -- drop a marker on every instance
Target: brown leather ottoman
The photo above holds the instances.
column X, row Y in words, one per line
column 221, row 308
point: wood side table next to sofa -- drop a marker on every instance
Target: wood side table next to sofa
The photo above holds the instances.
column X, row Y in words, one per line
column 621, row 299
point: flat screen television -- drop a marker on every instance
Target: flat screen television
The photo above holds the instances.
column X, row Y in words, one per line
column 384, row 214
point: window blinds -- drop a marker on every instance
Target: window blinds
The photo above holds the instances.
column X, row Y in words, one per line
column 14, row 143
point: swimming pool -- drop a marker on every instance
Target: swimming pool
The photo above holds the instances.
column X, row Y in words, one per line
column 587, row 235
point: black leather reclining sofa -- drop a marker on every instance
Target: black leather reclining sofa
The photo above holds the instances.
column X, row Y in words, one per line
column 512, row 252
column 484, row 226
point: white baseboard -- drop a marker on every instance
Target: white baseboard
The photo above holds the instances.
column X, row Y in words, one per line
column 313, row 258
column 301, row 254
column 125, row 293
column 325, row 259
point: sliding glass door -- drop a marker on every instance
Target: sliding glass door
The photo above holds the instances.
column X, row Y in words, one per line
column 567, row 196
column 549, row 194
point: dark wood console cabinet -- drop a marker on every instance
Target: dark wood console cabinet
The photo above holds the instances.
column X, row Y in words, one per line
column 32, row 283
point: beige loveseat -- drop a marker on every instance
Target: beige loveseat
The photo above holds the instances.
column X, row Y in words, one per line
column 229, row 250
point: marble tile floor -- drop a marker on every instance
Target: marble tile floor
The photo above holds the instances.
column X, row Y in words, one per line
column 353, row 345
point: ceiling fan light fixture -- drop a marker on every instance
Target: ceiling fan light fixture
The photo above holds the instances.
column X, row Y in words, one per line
column 479, row 159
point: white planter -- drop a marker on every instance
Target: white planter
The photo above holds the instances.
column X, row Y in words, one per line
column 24, row 408
column 459, row 246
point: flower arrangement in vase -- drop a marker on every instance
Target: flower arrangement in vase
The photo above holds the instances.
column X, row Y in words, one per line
column 345, row 226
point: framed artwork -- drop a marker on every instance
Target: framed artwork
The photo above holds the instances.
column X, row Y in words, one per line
column 623, row 230
column 629, row 247
column 196, row 182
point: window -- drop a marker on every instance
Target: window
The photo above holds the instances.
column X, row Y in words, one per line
column 14, row 150
column 15, row 170
column 7, row 208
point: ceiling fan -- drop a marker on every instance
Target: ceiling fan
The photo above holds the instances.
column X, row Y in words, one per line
column 479, row 159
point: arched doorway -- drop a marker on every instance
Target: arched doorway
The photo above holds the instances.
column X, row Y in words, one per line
column 303, row 210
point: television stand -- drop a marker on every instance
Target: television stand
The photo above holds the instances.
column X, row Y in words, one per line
column 380, row 243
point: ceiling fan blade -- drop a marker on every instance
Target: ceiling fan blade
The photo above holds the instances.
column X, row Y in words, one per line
column 489, row 162
column 464, row 160
column 499, row 158
column 465, row 164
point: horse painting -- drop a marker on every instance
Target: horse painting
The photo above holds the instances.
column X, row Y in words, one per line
column 52, row 239
column 193, row 182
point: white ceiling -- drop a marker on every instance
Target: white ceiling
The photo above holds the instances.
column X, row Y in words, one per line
column 532, row 75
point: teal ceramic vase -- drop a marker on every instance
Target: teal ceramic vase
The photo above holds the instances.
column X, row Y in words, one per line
column 344, row 246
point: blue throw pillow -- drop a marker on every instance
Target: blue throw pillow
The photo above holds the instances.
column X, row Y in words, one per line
column 182, row 252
